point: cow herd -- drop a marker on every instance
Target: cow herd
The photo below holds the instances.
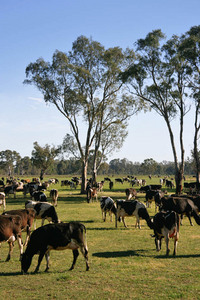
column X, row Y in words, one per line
column 59, row 236
column 54, row 236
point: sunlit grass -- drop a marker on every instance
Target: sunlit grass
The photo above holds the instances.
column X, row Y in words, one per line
column 123, row 262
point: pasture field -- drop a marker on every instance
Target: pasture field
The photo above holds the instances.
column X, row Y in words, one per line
column 123, row 262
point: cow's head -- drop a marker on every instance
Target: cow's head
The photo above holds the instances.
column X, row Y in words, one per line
column 25, row 262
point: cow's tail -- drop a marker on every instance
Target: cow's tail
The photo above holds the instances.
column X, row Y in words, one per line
column 84, row 237
column 196, row 217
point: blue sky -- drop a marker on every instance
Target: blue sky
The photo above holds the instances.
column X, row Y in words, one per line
column 30, row 29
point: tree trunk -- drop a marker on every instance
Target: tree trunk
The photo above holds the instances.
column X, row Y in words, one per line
column 196, row 154
column 179, row 169
column 178, row 180
column 84, row 177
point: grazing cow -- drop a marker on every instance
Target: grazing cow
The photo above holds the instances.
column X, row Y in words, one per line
column 119, row 180
column 55, row 237
column 10, row 230
column 27, row 217
column 132, row 208
column 54, row 195
column 152, row 187
column 107, row 179
column 43, row 210
column 169, row 184
column 3, row 200
column 111, row 185
column 130, row 193
column 166, row 224
column 107, row 205
column 39, row 196
column 181, row 206
column 156, row 195
column 10, row 189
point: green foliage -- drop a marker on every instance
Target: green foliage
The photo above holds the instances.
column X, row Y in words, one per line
column 43, row 157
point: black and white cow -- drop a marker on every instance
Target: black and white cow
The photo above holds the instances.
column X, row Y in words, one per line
column 107, row 206
column 182, row 206
column 43, row 210
column 132, row 208
column 166, row 225
column 55, row 237
column 154, row 195
column 39, row 196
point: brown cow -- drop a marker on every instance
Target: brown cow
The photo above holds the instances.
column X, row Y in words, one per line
column 10, row 230
column 27, row 217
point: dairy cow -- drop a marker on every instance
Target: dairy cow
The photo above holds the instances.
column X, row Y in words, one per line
column 55, row 237
column 10, row 231
column 43, row 210
column 132, row 208
column 166, row 225
column 107, row 206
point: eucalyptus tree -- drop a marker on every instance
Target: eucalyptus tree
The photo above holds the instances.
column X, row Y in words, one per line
column 43, row 157
column 158, row 77
column 8, row 161
column 83, row 85
column 190, row 50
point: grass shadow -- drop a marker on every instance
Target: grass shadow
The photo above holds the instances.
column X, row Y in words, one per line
column 177, row 256
column 10, row 274
column 114, row 254
column 102, row 228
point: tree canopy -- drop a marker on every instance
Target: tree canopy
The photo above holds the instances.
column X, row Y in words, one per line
column 84, row 86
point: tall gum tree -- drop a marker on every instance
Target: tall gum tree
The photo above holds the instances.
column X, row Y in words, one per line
column 158, row 77
column 190, row 50
column 83, row 85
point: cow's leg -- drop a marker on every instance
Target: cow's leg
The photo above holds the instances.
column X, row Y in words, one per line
column 11, row 245
column 137, row 223
column 47, row 256
column 28, row 233
column 42, row 253
column 167, row 244
column 110, row 216
column 84, row 251
column 10, row 250
column 75, row 255
column 123, row 219
column 189, row 217
column 19, row 240
column 104, row 216
column 181, row 219
column 116, row 218
column 176, row 237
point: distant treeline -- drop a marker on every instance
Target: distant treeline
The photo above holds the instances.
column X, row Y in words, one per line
column 25, row 166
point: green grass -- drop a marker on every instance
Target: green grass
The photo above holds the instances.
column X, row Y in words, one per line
column 123, row 262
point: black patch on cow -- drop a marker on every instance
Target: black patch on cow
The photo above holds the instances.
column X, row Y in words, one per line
column 50, row 212
column 170, row 220
column 128, row 206
column 37, row 208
